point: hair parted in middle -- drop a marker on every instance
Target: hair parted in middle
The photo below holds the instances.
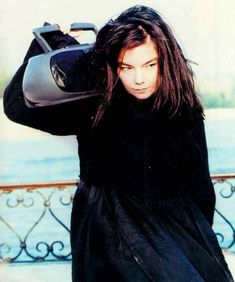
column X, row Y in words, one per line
column 130, row 29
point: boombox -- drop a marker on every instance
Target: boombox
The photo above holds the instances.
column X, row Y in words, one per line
column 63, row 74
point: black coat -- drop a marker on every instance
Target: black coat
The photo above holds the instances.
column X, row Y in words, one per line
column 145, row 206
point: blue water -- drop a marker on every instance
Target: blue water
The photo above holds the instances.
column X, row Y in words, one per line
column 33, row 160
column 50, row 158
column 55, row 159
column 220, row 133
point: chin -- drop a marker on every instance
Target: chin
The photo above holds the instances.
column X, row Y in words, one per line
column 142, row 96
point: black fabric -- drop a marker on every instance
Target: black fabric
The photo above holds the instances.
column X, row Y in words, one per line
column 116, row 237
column 144, row 209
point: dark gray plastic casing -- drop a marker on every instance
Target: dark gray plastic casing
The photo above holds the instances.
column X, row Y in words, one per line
column 39, row 86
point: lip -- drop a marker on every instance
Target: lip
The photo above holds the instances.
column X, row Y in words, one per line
column 141, row 89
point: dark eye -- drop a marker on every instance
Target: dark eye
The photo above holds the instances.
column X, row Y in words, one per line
column 151, row 65
column 125, row 68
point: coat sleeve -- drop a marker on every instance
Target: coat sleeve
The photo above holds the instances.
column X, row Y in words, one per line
column 202, row 190
column 65, row 119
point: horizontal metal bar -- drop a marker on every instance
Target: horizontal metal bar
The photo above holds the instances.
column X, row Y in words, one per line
column 45, row 204
column 223, row 176
column 32, row 186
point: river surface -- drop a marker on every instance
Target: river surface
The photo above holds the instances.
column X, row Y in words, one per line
column 31, row 156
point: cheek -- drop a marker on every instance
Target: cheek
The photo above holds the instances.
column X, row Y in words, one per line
column 154, row 77
column 125, row 79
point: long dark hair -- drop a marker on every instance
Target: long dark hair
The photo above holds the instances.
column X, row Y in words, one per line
column 130, row 29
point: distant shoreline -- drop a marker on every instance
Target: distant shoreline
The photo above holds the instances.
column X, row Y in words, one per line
column 11, row 130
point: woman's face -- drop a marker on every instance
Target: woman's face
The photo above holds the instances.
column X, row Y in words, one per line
column 138, row 69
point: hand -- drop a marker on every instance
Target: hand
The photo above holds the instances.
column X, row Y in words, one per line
column 66, row 29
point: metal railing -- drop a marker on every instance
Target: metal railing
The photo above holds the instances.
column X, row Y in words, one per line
column 35, row 219
column 224, row 221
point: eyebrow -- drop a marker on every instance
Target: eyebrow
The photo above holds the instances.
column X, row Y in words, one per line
column 146, row 63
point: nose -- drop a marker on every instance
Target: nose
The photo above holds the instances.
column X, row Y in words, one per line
column 139, row 78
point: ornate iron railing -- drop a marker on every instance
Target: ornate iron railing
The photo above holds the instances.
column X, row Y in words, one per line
column 224, row 221
column 35, row 219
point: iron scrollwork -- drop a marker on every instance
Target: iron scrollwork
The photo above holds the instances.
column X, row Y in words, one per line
column 34, row 221
column 224, row 226
column 35, row 224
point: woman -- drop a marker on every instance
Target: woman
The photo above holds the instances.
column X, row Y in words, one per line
column 145, row 205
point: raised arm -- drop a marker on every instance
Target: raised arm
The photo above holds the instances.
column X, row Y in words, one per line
column 64, row 119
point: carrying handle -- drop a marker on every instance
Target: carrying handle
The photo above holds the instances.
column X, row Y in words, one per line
column 37, row 32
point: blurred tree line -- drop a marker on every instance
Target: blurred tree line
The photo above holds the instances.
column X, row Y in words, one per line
column 4, row 79
column 209, row 100
column 218, row 100
column 5, row 73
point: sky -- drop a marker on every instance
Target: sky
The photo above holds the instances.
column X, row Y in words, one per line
column 204, row 29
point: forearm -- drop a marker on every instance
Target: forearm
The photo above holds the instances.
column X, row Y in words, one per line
column 64, row 119
column 202, row 189
column 203, row 195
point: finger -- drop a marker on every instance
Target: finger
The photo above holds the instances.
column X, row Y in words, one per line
column 75, row 33
column 65, row 28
